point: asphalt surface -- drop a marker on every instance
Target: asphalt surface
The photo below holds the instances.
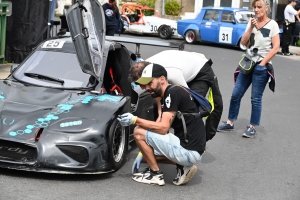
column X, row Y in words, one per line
column 233, row 168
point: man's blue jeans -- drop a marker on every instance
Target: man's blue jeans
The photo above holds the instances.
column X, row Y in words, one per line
column 259, row 78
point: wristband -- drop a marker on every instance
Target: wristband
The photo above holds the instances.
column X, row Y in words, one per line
column 134, row 118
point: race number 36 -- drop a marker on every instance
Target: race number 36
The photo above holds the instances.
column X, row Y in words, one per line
column 53, row 44
column 225, row 35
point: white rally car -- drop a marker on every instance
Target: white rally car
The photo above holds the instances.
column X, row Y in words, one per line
column 135, row 19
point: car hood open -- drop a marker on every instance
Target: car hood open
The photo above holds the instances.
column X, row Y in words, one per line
column 86, row 23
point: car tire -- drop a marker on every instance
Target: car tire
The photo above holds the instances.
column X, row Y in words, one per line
column 165, row 32
column 190, row 37
column 118, row 144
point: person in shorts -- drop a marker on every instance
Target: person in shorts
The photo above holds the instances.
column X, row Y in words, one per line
column 152, row 137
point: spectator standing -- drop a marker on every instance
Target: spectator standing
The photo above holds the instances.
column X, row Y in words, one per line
column 112, row 17
column 289, row 26
column 264, row 34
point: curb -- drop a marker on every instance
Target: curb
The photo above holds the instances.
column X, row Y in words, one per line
column 6, row 65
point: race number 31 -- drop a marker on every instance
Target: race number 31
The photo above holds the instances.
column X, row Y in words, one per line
column 225, row 35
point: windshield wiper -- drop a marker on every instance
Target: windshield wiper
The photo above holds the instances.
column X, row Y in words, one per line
column 41, row 76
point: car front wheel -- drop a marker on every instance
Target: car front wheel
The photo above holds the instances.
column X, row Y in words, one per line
column 165, row 32
column 190, row 36
column 118, row 144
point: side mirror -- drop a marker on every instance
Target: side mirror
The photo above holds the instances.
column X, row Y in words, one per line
column 13, row 67
column 233, row 21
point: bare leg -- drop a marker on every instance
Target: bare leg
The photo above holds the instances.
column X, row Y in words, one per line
column 147, row 151
column 161, row 159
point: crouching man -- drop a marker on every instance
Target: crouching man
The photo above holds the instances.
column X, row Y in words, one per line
column 152, row 137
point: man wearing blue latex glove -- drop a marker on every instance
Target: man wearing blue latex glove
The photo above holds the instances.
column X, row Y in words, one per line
column 137, row 162
column 152, row 137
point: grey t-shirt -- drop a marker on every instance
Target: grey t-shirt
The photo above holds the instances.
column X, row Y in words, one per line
column 263, row 39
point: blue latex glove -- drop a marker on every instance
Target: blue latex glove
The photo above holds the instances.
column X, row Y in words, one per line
column 137, row 163
column 127, row 119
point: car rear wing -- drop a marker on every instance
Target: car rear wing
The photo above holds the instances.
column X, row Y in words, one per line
column 138, row 42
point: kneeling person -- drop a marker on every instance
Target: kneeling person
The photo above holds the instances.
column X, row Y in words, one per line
column 153, row 139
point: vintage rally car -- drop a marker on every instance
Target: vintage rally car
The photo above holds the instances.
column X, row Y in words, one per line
column 59, row 113
column 223, row 25
column 135, row 19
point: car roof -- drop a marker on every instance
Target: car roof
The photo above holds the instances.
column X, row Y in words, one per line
column 226, row 8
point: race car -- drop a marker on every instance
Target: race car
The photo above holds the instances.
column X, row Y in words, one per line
column 59, row 107
column 223, row 25
column 134, row 20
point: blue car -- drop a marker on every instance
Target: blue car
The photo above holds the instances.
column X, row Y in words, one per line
column 223, row 25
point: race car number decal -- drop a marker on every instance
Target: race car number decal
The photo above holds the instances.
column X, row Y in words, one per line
column 53, row 44
column 153, row 28
column 225, row 35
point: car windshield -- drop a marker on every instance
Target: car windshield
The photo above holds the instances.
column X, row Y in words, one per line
column 52, row 69
column 243, row 17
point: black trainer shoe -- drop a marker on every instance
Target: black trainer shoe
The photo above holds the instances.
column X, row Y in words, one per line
column 285, row 54
column 149, row 177
column 184, row 174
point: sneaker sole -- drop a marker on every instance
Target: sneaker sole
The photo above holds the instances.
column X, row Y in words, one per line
column 226, row 130
column 247, row 136
column 189, row 176
column 140, row 181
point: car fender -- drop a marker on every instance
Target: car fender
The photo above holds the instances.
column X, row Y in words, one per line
column 194, row 28
column 240, row 33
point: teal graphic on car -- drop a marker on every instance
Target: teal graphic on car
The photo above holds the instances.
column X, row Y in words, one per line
column 63, row 108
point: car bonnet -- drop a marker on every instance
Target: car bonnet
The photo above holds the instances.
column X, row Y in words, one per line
column 86, row 23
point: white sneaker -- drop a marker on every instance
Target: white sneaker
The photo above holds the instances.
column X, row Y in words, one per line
column 185, row 174
column 149, row 177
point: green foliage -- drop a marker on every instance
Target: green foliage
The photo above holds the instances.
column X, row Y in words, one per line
column 149, row 3
column 172, row 7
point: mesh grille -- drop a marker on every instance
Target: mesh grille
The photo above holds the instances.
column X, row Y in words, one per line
column 17, row 152
column 80, row 154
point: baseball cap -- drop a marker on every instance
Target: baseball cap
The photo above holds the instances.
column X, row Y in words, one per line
column 150, row 72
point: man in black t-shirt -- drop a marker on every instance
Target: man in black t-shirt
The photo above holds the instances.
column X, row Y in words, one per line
column 153, row 139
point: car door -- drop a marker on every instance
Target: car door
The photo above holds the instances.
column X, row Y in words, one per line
column 209, row 26
column 86, row 23
column 227, row 28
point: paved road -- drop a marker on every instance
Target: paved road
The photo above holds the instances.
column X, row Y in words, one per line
column 233, row 168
